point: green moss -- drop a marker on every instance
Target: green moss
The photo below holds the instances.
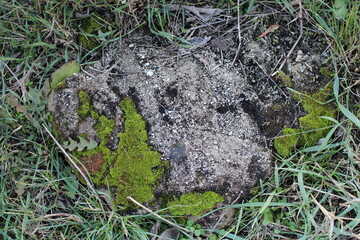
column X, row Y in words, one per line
column 137, row 167
column 104, row 129
column 326, row 73
column 284, row 145
column 134, row 168
column 312, row 127
column 194, row 203
column 85, row 106
column 61, row 86
column 284, row 78
column 90, row 27
column 313, row 105
column 56, row 132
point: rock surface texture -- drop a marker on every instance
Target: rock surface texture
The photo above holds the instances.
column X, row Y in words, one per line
column 208, row 118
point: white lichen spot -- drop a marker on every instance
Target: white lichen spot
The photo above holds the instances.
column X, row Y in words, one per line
column 149, row 73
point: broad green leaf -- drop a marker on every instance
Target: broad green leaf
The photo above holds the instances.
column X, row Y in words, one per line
column 349, row 114
column 268, row 217
column 340, row 10
column 88, row 144
column 65, row 71
column 72, row 145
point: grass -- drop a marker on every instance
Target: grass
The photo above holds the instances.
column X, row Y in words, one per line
column 314, row 194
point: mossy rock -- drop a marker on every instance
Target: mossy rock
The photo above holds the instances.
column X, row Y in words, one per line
column 135, row 167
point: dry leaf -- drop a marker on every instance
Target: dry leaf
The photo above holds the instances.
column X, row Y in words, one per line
column 20, row 187
column 270, row 29
column 13, row 102
column 171, row 233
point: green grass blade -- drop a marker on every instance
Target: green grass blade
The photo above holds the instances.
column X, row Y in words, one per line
column 349, row 114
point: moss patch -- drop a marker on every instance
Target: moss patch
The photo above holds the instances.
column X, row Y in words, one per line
column 137, row 167
column 100, row 156
column 134, row 169
column 326, row 73
column 54, row 130
column 90, row 26
column 194, row 203
column 85, row 107
column 286, row 144
column 285, row 79
column 312, row 127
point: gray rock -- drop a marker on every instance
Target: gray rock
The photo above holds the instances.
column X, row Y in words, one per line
column 206, row 118
column 194, row 114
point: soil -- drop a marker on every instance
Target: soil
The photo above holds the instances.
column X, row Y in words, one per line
column 212, row 117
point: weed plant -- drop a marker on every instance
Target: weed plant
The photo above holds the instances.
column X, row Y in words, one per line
column 313, row 194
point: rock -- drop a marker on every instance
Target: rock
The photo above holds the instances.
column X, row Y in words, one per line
column 208, row 120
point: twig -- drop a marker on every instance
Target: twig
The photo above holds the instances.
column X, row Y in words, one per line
column 239, row 33
column 223, row 214
column 20, row 83
column 282, row 92
column 300, row 17
column 157, row 215
column 76, row 166
column 61, row 216
column 212, row 23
